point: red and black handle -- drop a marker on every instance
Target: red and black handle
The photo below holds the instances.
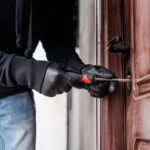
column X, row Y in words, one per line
column 85, row 78
column 88, row 79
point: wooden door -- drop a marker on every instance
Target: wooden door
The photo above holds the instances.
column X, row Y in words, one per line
column 137, row 29
column 125, row 119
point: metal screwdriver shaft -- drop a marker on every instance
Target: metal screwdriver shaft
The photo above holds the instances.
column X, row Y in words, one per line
column 118, row 80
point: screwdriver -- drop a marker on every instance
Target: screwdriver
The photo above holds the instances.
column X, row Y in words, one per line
column 118, row 80
column 89, row 79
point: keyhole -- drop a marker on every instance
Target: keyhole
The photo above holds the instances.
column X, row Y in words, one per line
column 129, row 84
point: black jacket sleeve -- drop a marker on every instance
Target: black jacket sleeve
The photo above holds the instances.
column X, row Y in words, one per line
column 21, row 71
column 58, row 37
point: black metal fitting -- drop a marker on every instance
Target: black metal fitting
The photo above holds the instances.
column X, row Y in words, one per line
column 125, row 49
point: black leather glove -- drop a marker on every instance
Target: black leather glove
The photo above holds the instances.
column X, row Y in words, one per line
column 99, row 89
column 96, row 89
column 58, row 80
column 46, row 77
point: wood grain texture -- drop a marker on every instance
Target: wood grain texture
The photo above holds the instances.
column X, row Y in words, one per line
column 142, row 145
column 112, row 127
column 138, row 101
column 141, row 35
column 137, row 122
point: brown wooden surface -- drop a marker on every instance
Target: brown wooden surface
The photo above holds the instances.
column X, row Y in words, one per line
column 138, row 102
column 112, row 126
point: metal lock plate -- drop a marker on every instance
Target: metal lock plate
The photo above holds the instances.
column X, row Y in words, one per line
column 129, row 84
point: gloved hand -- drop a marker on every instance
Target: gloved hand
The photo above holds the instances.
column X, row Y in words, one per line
column 31, row 73
column 96, row 89
column 57, row 80
column 45, row 77
column 99, row 89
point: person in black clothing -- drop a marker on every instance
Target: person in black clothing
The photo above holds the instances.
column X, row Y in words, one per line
column 23, row 23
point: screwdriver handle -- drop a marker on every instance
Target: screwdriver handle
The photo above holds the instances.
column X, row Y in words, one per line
column 88, row 78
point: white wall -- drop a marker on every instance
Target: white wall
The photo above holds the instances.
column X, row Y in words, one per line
column 51, row 117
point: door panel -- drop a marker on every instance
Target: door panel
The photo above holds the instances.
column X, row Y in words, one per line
column 141, row 36
column 137, row 21
column 142, row 145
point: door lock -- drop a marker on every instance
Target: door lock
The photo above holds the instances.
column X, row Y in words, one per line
column 129, row 84
column 125, row 49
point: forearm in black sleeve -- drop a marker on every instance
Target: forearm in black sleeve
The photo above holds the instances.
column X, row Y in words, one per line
column 57, row 34
column 61, row 49
column 21, row 71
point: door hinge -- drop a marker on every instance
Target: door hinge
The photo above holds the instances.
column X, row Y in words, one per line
column 124, row 49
